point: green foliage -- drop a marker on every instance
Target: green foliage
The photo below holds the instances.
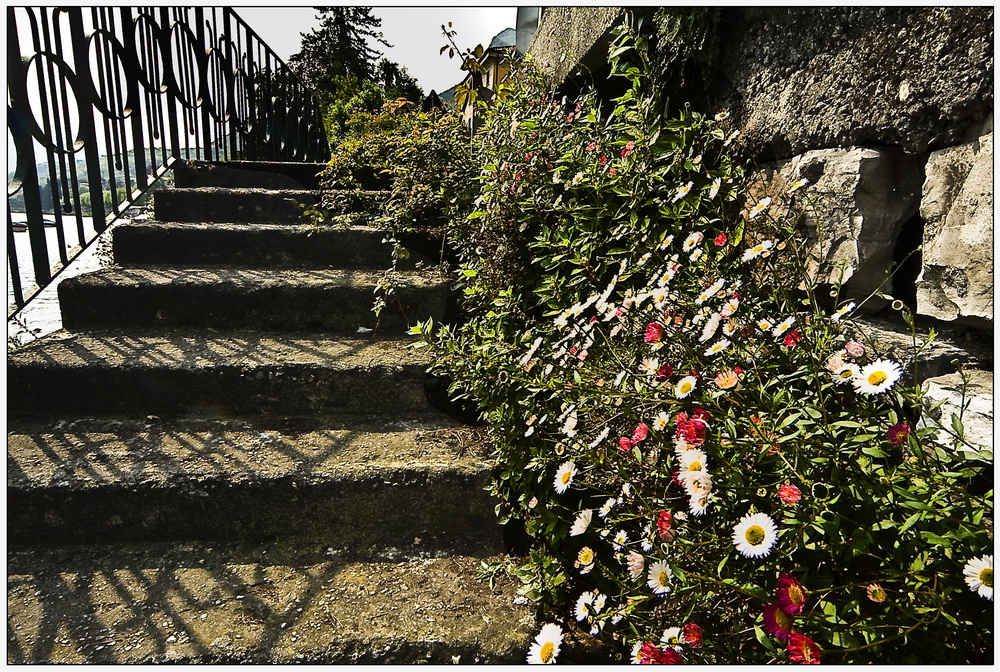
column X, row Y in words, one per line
column 655, row 367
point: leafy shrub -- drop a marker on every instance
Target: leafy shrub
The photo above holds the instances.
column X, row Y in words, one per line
column 712, row 467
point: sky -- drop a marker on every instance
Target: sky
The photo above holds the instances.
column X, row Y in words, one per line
column 414, row 32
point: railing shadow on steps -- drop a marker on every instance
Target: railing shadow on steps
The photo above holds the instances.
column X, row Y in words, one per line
column 102, row 101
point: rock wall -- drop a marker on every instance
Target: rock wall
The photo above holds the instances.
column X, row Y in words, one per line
column 887, row 111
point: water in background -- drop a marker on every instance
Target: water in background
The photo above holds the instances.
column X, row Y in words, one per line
column 41, row 315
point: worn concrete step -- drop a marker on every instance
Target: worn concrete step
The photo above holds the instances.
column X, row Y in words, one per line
column 365, row 481
column 257, row 245
column 247, row 174
column 267, row 206
column 263, row 603
column 267, row 175
column 199, row 373
column 236, row 298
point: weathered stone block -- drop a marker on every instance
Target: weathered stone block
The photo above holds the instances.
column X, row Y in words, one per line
column 977, row 418
column 956, row 282
column 858, row 200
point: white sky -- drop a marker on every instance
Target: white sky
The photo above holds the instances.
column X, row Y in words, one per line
column 414, row 32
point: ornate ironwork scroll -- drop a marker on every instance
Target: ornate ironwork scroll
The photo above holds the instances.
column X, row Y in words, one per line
column 102, row 100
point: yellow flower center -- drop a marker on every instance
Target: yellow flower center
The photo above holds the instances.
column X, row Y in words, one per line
column 986, row 576
column 685, row 387
column 663, row 578
column 797, row 595
column 783, row 620
column 565, row 477
column 586, row 556
column 694, row 466
column 876, row 377
column 548, row 652
column 755, row 535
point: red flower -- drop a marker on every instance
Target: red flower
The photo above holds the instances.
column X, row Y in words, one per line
column 663, row 522
column 803, row 650
column 789, row 494
column 625, row 444
column 612, row 172
column 791, row 594
column 897, row 433
column 602, row 160
column 792, row 339
column 654, row 332
column 629, row 146
column 592, row 146
column 640, row 432
column 570, row 117
column 777, row 623
column 650, row 654
column 692, row 635
column 721, row 239
column 664, row 373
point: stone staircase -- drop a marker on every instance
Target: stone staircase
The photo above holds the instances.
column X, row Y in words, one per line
column 217, row 461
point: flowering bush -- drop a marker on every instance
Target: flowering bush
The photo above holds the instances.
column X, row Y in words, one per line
column 713, row 468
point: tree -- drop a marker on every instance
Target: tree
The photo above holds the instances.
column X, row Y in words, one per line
column 338, row 52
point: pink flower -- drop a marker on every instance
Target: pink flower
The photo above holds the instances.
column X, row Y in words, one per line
column 727, row 379
column 654, row 332
column 792, row 339
column 650, row 654
column 625, row 444
column 721, row 239
column 789, row 494
column 664, row 373
column 570, row 117
column 692, row 635
column 636, row 564
column 629, row 146
column 663, row 522
column 803, row 650
column 640, row 433
column 791, row 594
column 592, row 146
column 897, row 433
column 854, row 349
column 777, row 623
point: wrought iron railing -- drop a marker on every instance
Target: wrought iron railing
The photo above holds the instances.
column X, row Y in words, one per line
column 102, row 100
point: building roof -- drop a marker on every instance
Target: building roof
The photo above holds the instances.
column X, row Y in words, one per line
column 506, row 38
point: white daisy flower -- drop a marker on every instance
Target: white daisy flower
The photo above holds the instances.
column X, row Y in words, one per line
column 757, row 250
column 711, row 326
column 672, row 638
column 583, row 603
column 600, row 599
column 682, row 191
column 979, row 575
column 564, row 477
column 658, row 578
column 877, row 377
column 685, row 386
column 843, row 311
column 798, row 184
column 760, row 207
column 755, row 535
column 697, row 483
column 718, row 347
column 730, row 327
column 569, row 427
column 846, row 373
column 698, row 504
column 696, row 255
column 621, row 538
column 716, row 185
column 765, row 323
column 581, row 523
column 636, row 565
column 692, row 240
column 650, row 365
column 660, row 421
column 710, row 291
column 608, row 505
column 646, row 544
column 730, row 307
column 600, row 438
column 693, row 460
column 667, row 242
column 546, row 645
column 784, row 326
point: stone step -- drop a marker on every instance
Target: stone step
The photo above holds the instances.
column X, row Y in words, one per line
column 262, row 603
column 201, row 373
column 267, row 175
column 255, row 245
column 247, row 174
column 238, row 298
column 366, row 482
column 266, row 206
